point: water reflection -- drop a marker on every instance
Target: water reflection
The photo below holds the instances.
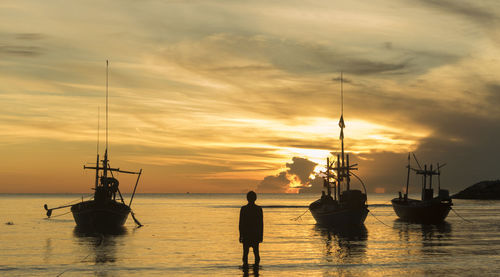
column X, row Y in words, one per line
column 343, row 246
column 250, row 271
column 82, row 232
column 48, row 250
column 100, row 248
column 426, row 231
column 432, row 237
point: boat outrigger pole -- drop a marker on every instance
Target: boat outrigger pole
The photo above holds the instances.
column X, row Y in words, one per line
column 135, row 187
column 49, row 211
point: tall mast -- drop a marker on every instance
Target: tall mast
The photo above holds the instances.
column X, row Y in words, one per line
column 339, row 177
column 342, row 126
column 107, row 66
column 341, row 94
column 439, row 177
column 98, row 127
column 97, row 162
column 430, row 177
column 105, row 161
column 329, row 189
column 424, row 185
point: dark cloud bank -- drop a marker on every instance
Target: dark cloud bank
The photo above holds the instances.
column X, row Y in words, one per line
column 300, row 168
column 20, row 45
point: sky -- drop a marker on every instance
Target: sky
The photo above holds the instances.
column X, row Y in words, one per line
column 228, row 96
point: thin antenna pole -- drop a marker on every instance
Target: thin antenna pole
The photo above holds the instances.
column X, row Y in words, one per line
column 98, row 127
column 105, row 161
column 107, row 66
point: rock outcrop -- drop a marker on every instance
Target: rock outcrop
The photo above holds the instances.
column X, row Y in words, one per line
column 487, row 190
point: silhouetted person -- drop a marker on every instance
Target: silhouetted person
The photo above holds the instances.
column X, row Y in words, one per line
column 251, row 228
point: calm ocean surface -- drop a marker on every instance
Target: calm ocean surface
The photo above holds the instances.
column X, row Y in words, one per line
column 197, row 234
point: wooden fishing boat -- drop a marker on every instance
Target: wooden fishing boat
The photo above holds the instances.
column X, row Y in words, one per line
column 105, row 211
column 340, row 206
column 429, row 209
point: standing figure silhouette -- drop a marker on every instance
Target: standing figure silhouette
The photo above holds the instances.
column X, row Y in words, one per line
column 251, row 228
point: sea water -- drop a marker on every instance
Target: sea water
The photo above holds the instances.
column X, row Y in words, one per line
column 197, row 234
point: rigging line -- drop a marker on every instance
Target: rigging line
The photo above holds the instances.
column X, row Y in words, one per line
column 77, row 200
column 64, row 272
column 364, row 187
column 379, row 219
column 300, row 216
column 461, row 216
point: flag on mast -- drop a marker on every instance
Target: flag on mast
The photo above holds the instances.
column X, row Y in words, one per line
column 342, row 126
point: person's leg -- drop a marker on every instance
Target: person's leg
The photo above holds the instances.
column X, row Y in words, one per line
column 246, row 248
column 255, row 248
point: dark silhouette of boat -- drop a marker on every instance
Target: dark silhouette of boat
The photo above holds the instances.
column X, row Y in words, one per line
column 337, row 207
column 107, row 210
column 430, row 209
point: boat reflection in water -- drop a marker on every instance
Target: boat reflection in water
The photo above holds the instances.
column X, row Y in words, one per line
column 100, row 249
column 422, row 244
column 344, row 247
column 423, row 239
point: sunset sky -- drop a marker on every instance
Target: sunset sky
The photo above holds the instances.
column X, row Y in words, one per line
column 227, row 96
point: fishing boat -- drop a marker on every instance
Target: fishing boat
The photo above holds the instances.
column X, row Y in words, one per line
column 105, row 211
column 340, row 206
column 429, row 209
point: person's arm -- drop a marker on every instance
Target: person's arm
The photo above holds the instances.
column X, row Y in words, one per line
column 241, row 224
column 261, row 225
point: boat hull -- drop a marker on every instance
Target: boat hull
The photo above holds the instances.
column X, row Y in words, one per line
column 431, row 211
column 340, row 217
column 100, row 215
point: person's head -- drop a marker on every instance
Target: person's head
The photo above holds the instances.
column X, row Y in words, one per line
column 251, row 196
